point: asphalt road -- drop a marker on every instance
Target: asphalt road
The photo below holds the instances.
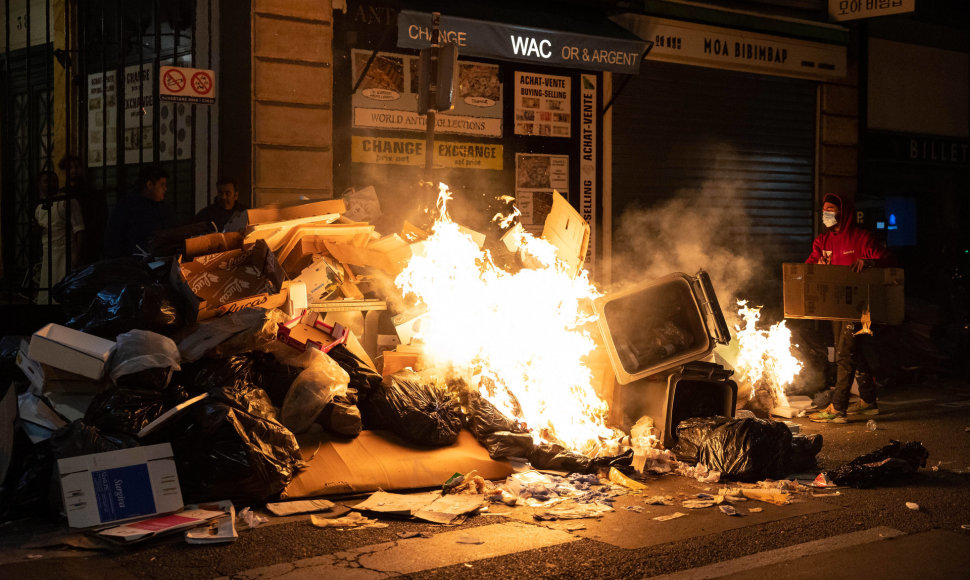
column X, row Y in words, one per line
column 889, row 538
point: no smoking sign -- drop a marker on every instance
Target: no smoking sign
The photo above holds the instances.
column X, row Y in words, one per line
column 187, row 85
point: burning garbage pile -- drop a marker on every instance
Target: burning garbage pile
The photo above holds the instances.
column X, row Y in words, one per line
column 250, row 365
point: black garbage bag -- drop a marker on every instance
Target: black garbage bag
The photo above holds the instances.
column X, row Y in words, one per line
column 77, row 290
column 126, row 410
column 123, row 306
column 143, row 359
column 363, row 379
column 420, row 412
column 741, row 449
column 82, row 438
column 804, row 450
column 483, row 418
column 555, row 456
column 885, row 465
column 691, row 434
column 225, row 446
column 244, row 369
column 748, row 450
column 27, row 490
column 341, row 416
column 502, row 444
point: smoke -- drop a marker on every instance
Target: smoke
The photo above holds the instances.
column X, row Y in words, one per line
column 706, row 228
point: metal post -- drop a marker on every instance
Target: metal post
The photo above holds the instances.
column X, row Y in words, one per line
column 432, row 92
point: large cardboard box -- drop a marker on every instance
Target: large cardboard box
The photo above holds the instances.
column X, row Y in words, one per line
column 284, row 212
column 71, row 350
column 119, row 485
column 226, row 282
column 823, row 292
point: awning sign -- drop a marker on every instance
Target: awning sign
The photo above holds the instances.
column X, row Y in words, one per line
column 523, row 44
column 186, row 85
column 447, row 154
column 690, row 43
column 842, row 10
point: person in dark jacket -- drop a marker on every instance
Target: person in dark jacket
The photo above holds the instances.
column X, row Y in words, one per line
column 138, row 215
column 845, row 244
column 225, row 205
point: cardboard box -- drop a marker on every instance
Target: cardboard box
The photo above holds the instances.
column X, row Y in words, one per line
column 45, row 378
column 309, row 331
column 380, row 460
column 568, row 231
column 119, row 485
column 71, row 350
column 226, row 282
column 823, row 292
column 212, row 243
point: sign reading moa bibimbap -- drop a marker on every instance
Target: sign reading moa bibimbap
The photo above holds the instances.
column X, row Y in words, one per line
column 522, row 43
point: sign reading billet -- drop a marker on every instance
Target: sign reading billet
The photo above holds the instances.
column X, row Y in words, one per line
column 186, row 85
column 523, row 44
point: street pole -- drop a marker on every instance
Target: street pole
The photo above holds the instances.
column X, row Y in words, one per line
column 433, row 92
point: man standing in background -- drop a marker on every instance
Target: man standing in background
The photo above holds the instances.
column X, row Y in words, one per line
column 139, row 215
column 845, row 244
column 224, row 206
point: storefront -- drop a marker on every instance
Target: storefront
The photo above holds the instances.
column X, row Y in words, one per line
column 726, row 110
column 526, row 121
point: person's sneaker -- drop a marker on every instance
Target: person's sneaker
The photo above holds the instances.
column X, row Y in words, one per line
column 828, row 415
column 863, row 408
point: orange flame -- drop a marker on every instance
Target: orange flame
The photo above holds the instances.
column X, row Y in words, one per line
column 520, row 338
column 765, row 358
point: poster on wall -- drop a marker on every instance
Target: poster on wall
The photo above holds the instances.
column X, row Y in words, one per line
column 174, row 120
column 387, row 98
column 536, row 177
column 587, row 162
column 542, row 105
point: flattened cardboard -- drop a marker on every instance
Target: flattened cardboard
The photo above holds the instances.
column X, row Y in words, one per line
column 568, row 231
column 824, row 292
column 71, row 350
column 121, row 485
column 380, row 460
column 226, row 282
column 278, row 234
column 309, row 240
column 284, row 212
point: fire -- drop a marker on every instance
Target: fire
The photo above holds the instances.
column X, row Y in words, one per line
column 518, row 337
column 765, row 359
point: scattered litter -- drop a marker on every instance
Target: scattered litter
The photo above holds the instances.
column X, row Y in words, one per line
column 406, row 535
column 575, row 527
column 937, row 467
column 774, row 496
column 700, row 472
column 469, row 540
column 883, row 465
column 728, row 510
column 354, row 520
column 871, row 425
column 634, row 508
column 913, row 506
column 754, row 510
column 34, row 556
column 617, row 477
column 659, row 500
column 573, row 512
column 670, row 516
column 695, row 504
column 965, row 527
column 289, row 508
column 252, row 519
column 826, row 493
column 219, row 531
column 823, row 480
column 471, row 482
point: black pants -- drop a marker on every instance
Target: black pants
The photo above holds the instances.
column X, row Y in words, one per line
column 851, row 364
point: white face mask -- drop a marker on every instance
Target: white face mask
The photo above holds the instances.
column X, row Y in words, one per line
column 830, row 218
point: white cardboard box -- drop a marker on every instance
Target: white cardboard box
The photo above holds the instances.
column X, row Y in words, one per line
column 119, row 485
column 71, row 350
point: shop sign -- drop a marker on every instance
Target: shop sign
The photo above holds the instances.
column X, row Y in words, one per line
column 716, row 47
column 523, row 44
column 447, row 154
column 919, row 149
column 587, row 160
column 843, row 10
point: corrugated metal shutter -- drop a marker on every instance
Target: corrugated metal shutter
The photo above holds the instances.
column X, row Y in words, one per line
column 676, row 126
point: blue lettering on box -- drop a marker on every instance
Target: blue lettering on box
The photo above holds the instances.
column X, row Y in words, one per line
column 123, row 492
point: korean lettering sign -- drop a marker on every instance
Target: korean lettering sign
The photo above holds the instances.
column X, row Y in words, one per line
column 842, row 10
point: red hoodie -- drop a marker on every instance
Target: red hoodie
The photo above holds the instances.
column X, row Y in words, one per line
column 849, row 244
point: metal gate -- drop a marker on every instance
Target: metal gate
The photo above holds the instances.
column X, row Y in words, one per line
column 80, row 99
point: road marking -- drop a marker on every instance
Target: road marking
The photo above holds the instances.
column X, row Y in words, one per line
column 415, row 554
column 760, row 559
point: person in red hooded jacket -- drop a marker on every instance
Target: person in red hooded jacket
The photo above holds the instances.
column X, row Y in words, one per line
column 845, row 244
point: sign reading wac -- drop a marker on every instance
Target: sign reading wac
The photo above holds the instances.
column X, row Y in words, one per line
column 516, row 43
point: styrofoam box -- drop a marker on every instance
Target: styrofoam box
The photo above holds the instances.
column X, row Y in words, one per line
column 71, row 350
